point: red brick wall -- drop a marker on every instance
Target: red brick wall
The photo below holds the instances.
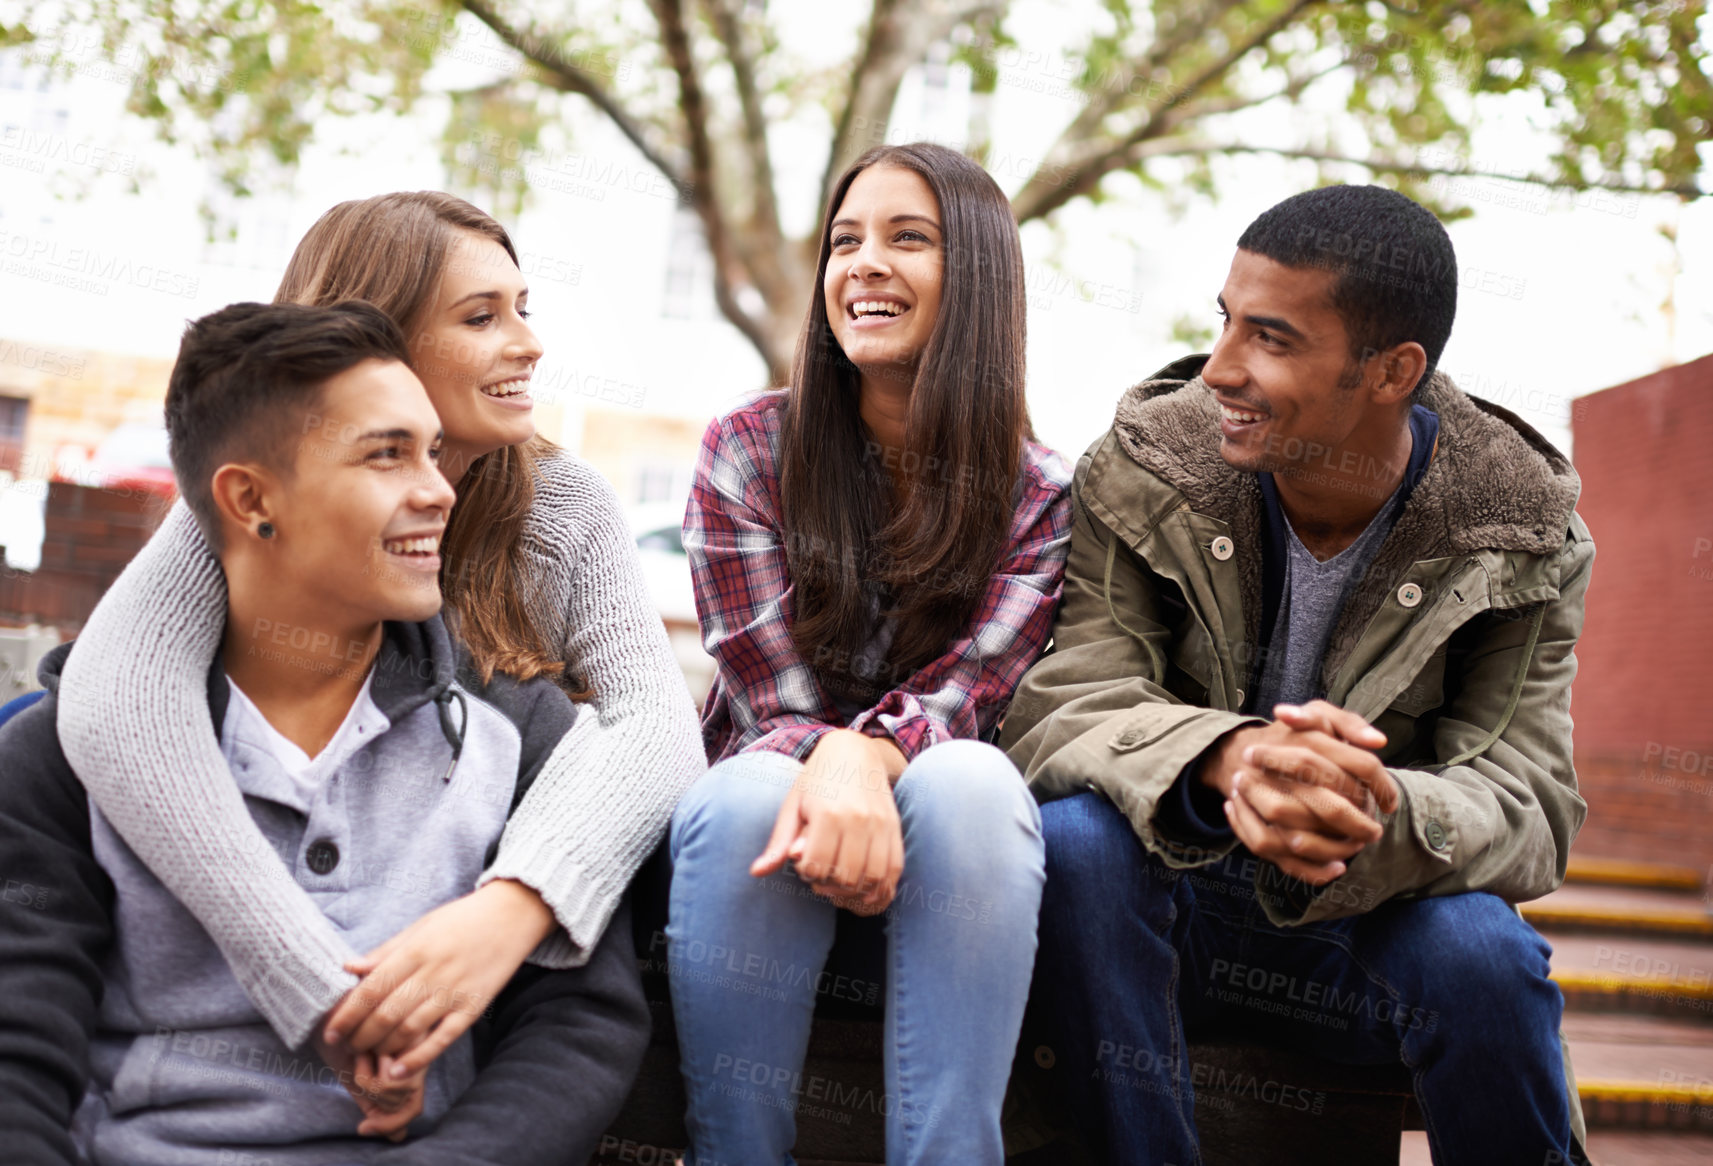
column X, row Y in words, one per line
column 90, row 535
column 1643, row 699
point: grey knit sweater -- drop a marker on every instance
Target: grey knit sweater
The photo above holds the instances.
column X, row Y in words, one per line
column 134, row 724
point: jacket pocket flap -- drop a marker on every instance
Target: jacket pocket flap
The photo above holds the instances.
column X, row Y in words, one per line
column 1426, row 690
column 1147, row 730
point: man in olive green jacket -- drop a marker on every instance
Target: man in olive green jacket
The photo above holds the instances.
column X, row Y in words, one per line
column 1304, row 736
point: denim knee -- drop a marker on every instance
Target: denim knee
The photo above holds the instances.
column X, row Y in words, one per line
column 1088, row 840
column 737, row 800
column 1094, row 856
column 1473, row 945
column 969, row 793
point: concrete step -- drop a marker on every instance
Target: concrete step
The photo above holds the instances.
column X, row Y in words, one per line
column 1627, row 910
column 1642, row 1071
column 1617, row 872
column 1640, row 973
column 1607, row 1147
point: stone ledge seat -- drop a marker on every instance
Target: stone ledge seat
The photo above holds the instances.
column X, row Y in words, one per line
column 1254, row 1103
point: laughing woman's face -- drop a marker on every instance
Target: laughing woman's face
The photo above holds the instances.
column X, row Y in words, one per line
column 885, row 271
column 475, row 352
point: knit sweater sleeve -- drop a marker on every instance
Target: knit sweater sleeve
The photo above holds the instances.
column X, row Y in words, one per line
column 603, row 800
column 134, row 724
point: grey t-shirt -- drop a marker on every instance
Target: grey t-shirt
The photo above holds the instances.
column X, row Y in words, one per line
column 1309, row 604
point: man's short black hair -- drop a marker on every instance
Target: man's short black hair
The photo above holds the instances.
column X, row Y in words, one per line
column 1397, row 273
column 246, row 376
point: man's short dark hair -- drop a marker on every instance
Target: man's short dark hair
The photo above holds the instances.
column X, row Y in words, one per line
column 1397, row 273
column 247, row 375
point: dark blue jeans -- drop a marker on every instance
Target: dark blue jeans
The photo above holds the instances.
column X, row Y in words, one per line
column 1133, row 955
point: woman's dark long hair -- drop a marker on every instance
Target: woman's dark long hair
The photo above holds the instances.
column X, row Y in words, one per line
column 928, row 550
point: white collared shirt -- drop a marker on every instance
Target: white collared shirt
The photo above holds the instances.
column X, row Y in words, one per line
column 246, row 725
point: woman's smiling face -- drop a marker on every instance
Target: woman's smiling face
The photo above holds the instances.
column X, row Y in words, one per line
column 885, row 270
column 474, row 351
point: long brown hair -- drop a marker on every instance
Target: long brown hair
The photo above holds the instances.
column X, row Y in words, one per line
column 392, row 251
column 927, row 553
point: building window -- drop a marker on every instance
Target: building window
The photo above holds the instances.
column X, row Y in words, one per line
column 13, row 411
column 663, row 481
column 689, row 270
column 936, row 77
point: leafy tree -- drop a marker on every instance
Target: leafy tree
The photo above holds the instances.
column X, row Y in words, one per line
column 694, row 85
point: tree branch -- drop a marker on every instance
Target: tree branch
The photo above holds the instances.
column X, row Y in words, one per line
column 568, row 78
column 704, row 196
column 899, row 34
column 762, row 244
column 1181, row 148
column 1086, row 125
column 1214, row 106
column 1043, row 193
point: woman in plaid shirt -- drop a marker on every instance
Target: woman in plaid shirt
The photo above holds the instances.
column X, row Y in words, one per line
column 877, row 554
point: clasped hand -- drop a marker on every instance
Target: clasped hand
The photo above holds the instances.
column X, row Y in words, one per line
column 421, row 990
column 839, row 824
column 1303, row 792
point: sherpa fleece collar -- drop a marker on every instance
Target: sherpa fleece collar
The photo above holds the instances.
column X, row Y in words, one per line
column 1494, row 483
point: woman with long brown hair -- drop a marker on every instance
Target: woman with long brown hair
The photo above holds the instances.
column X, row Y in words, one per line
column 877, row 554
column 540, row 577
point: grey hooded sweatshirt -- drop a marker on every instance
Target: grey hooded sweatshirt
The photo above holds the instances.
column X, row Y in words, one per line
column 182, row 1069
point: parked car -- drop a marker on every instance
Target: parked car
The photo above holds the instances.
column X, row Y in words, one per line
column 132, row 457
column 659, row 531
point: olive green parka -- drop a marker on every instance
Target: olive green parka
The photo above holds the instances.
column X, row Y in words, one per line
column 1458, row 643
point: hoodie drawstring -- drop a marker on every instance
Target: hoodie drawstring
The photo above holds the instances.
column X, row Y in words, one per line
column 442, row 705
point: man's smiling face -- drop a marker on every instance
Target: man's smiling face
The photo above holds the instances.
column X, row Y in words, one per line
column 1281, row 369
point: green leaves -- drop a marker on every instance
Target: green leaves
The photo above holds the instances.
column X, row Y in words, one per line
column 1394, row 89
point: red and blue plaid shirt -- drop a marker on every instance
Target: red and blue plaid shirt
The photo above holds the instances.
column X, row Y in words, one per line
column 765, row 695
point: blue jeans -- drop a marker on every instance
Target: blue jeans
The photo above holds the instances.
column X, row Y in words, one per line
column 746, row 956
column 1134, row 955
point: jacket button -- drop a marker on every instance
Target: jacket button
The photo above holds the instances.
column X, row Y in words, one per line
column 1221, row 548
column 1435, row 835
column 322, row 855
column 1409, row 595
column 1129, row 737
